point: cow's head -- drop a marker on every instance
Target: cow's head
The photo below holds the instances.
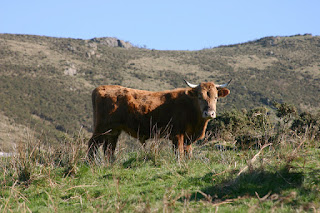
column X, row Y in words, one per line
column 207, row 94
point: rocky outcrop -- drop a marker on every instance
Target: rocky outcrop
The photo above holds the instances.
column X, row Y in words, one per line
column 70, row 70
column 112, row 42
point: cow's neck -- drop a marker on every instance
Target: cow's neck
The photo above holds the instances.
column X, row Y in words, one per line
column 197, row 131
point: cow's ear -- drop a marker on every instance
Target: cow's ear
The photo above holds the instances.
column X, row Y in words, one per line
column 223, row 92
column 192, row 92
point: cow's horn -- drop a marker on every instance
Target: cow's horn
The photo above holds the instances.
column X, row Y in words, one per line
column 190, row 85
column 223, row 85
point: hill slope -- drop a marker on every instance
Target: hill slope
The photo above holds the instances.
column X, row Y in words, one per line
column 46, row 83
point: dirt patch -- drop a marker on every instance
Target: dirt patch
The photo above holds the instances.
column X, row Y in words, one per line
column 251, row 61
column 313, row 70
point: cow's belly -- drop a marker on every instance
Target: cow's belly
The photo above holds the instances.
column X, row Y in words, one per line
column 147, row 126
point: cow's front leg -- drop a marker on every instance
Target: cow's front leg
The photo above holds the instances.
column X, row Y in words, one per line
column 178, row 143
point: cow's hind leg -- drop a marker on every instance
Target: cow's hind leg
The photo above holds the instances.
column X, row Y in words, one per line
column 188, row 151
column 109, row 146
column 187, row 147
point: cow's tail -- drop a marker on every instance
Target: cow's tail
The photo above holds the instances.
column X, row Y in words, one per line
column 94, row 109
column 92, row 145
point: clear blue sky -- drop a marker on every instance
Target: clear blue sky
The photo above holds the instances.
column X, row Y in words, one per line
column 165, row 24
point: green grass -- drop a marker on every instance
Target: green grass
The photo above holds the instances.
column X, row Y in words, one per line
column 283, row 177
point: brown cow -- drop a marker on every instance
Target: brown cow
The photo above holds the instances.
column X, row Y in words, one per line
column 181, row 114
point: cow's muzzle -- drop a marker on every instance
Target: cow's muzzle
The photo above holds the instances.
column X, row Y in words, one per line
column 209, row 114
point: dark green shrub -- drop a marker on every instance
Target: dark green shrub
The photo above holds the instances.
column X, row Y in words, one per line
column 246, row 128
column 307, row 123
column 230, row 122
column 285, row 110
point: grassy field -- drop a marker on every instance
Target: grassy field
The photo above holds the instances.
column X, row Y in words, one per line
column 282, row 176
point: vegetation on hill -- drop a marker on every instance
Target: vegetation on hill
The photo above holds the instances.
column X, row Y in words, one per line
column 46, row 83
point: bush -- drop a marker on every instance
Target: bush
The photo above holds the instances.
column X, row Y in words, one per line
column 247, row 128
column 285, row 110
column 308, row 124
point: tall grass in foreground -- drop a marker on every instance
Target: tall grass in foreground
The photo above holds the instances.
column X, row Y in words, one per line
column 281, row 173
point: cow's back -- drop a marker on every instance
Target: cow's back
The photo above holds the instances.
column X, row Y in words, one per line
column 138, row 111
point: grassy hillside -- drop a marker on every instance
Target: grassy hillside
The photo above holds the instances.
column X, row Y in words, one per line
column 46, row 83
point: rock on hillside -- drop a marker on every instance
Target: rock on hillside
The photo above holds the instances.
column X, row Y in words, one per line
column 112, row 42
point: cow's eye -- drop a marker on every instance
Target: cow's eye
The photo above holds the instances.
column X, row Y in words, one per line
column 208, row 94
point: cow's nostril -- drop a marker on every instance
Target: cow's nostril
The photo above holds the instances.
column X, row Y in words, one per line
column 209, row 114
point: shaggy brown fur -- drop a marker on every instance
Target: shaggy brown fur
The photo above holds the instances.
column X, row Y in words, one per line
column 177, row 113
